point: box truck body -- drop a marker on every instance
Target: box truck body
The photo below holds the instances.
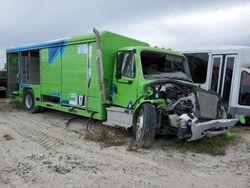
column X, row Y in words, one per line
column 63, row 73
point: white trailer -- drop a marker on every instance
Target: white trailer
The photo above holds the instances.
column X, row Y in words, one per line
column 225, row 70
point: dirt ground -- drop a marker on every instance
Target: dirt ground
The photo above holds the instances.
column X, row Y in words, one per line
column 48, row 150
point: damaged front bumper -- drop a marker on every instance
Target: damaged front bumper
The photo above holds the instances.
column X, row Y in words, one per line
column 208, row 128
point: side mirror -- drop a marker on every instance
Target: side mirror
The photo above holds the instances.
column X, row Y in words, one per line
column 118, row 74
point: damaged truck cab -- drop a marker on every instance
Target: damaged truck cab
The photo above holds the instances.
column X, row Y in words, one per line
column 153, row 85
column 118, row 80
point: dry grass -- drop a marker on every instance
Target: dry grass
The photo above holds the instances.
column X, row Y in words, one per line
column 132, row 147
column 107, row 137
column 8, row 137
column 213, row 146
column 241, row 129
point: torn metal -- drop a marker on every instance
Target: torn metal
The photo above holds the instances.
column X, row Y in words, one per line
column 190, row 112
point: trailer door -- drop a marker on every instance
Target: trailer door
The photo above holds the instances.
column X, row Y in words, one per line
column 222, row 76
column 12, row 73
column 227, row 78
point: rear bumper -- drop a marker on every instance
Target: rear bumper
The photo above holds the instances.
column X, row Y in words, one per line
column 200, row 130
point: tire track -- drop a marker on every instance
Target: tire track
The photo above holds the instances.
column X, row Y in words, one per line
column 38, row 123
column 44, row 139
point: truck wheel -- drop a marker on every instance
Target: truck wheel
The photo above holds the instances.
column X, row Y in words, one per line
column 145, row 126
column 29, row 102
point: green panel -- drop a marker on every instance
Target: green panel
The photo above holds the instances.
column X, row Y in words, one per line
column 74, row 65
column 50, row 74
column 94, row 98
column 79, row 76
column 94, row 84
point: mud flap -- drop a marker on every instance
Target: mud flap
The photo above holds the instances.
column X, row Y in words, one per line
column 200, row 130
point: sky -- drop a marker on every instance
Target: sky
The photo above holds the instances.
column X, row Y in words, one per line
column 164, row 23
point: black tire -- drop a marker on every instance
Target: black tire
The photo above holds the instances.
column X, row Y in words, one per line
column 145, row 126
column 29, row 102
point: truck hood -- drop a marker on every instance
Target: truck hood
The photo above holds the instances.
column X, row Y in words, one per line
column 168, row 75
column 175, row 77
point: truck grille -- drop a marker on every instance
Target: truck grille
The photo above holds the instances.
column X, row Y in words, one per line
column 208, row 104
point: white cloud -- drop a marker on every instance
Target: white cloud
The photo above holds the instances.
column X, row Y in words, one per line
column 168, row 23
column 222, row 26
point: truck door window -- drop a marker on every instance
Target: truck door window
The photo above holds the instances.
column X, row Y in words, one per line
column 198, row 63
column 244, row 95
column 126, row 64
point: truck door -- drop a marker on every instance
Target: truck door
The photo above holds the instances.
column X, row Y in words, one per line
column 222, row 76
column 124, row 89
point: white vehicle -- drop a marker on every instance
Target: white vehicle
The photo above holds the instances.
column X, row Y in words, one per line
column 225, row 70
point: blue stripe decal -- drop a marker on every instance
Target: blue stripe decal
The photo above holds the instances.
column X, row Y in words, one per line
column 57, row 51
column 53, row 53
column 63, row 101
column 64, row 47
column 58, row 94
column 49, row 44
column 21, row 86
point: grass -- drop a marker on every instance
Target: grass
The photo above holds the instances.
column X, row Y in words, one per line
column 8, row 137
column 132, row 147
column 213, row 146
column 241, row 129
column 218, row 145
column 108, row 137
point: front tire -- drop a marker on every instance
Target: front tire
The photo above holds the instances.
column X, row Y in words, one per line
column 145, row 126
column 29, row 102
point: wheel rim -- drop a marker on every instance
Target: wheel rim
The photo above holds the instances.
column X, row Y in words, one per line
column 28, row 101
column 139, row 125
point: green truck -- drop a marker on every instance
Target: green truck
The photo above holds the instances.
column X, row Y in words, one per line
column 118, row 80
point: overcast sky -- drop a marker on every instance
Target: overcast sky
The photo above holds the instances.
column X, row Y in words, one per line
column 167, row 23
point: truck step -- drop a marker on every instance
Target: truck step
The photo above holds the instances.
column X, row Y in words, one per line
column 119, row 117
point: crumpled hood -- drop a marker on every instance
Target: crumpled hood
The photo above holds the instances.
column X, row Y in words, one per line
column 169, row 75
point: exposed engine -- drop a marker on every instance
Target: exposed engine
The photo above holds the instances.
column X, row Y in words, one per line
column 186, row 105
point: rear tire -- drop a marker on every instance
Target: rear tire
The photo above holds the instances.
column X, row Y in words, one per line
column 29, row 102
column 145, row 126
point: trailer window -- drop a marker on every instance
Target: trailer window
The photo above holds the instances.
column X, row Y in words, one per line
column 126, row 64
column 198, row 63
column 244, row 95
column 30, row 67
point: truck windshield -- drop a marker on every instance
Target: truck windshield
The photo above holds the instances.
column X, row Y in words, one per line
column 162, row 65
